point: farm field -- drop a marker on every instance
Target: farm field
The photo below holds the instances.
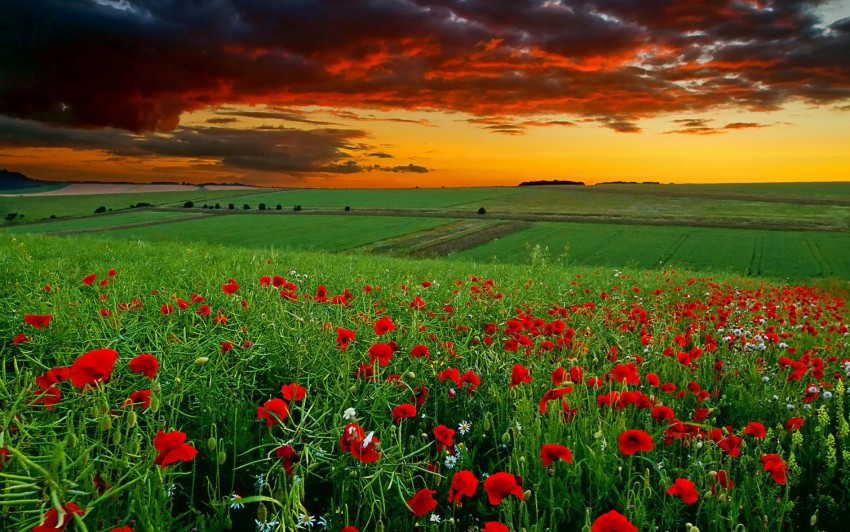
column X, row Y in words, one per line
column 37, row 208
column 310, row 232
column 173, row 386
column 101, row 221
column 792, row 254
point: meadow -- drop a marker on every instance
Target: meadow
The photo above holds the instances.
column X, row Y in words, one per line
column 171, row 386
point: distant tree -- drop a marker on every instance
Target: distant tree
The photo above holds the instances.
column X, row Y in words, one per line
column 246, row 207
column 347, row 208
column 262, row 206
column 189, row 204
column 298, row 207
column 206, row 206
column 11, row 216
column 231, row 206
column 279, row 207
column 218, row 205
column 100, row 209
column 482, row 210
column 52, row 216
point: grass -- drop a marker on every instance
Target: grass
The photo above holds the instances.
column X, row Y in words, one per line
column 32, row 190
column 484, row 318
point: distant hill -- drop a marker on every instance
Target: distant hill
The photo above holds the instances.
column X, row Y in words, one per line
column 550, row 182
column 14, row 180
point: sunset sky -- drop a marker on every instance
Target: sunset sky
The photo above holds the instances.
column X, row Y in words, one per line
column 401, row 93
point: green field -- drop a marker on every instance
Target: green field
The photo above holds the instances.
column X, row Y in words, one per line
column 100, row 221
column 791, row 254
column 31, row 190
column 42, row 207
column 311, row 232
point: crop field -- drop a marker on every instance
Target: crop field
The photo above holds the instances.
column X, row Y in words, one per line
column 295, row 231
column 792, row 254
column 170, row 386
column 42, row 207
column 101, row 221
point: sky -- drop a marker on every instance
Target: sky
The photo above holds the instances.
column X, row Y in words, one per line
column 403, row 93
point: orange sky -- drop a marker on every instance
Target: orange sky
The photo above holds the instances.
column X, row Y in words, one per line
column 439, row 93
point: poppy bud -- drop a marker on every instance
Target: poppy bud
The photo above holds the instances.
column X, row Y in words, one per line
column 262, row 513
column 116, row 437
column 550, row 472
column 105, row 422
column 712, row 474
column 71, row 440
column 211, row 443
column 814, row 520
column 506, row 438
column 156, row 387
column 411, row 375
column 379, row 526
column 200, row 361
column 154, row 406
column 222, row 458
column 522, row 458
column 526, row 494
column 131, row 419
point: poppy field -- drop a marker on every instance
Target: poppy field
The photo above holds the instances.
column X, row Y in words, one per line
column 164, row 386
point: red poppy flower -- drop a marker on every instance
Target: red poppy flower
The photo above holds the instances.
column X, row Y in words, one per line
column 417, row 303
column 519, row 374
column 273, row 411
column 495, row 526
column 172, row 447
column 653, row 379
column 182, row 304
column 364, row 448
column 553, row 394
column 203, row 310
column 226, row 347
column 472, row 379
column 89, row 279
column 343, row 338
column 166, row 309
column 383, row 325
column 4, row 456
column 451, row 374
column 500, row 485
column 634, row 440
column 612, row 521
column 93, row 366
column 287, row 453
column 420, row 393
column 20, row 338
column 661, row 412
column 403, row 411
column 444, row 437
column 350, row 529
column 380, row 352
column 230, row 287
column 38, row 320
column 49, row 397
column 293, row 392
column 464, row 483
column 146, row 364
column 550, row 452
column 684, row 489
column 52, row 376
column 141, row 396
column 776, row 466
column 732, row 445
column 420, row 351
column 122, row 529
column 422, row 502
column 793, row 424
column 265, row 280
column 52, row 521
column 755, row 429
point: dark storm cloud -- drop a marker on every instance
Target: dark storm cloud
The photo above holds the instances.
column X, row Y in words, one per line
column 282, row 150
column 139, row 66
